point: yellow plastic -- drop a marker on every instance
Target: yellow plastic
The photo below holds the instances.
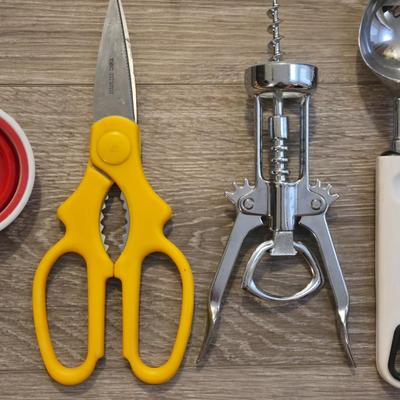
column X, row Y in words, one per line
column 115, row 151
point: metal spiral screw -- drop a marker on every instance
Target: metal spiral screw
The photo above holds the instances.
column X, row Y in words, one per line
column 278, row 130
column 279, row 160
column 275, row 44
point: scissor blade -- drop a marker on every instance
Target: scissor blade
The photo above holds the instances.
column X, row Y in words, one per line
column 115, row 91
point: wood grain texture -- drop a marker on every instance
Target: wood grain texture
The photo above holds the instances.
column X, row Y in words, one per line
column 197, row 127
column 176, row 42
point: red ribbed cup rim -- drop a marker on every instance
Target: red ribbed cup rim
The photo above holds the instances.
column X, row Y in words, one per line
column 17, row 170
column 9, row 170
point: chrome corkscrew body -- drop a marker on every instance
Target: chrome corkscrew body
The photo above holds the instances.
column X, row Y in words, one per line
column 279, row 204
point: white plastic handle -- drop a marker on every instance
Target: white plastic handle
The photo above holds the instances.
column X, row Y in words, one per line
column 387, row 265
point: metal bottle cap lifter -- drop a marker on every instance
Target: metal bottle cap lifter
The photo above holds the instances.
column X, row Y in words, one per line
column 278, row 204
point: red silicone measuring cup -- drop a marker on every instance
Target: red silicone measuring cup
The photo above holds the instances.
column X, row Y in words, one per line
column 17, row 169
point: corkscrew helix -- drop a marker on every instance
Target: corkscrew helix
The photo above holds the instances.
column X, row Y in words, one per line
column 279, row 204
column 274, row 29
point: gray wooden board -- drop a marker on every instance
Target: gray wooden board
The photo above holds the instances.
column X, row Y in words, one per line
column 197, row 138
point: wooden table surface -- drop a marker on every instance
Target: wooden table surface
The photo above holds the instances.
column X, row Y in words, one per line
column 197, row 138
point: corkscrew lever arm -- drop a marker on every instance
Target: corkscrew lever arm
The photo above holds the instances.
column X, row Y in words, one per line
column 243, row 226
column 318, row 226
column 252, row 204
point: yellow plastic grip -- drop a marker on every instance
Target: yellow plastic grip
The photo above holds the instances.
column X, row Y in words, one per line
column 80, row 215
column 116, row 150
column 130, row 278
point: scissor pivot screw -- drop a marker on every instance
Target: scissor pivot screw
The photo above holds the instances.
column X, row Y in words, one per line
column 114, row 148
column 316, row 204
column 248, row 204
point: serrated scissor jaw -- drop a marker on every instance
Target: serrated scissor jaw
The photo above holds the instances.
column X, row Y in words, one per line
column 127, row 223
column 102, row 225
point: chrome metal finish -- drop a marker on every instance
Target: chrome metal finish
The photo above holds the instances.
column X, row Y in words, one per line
column 379, row 42
column 318, row 226
column 112, row 94
column 280, row 204
column 267, row 247
column 243, row 226
column 292, row 79
column 275, row 43
column 279, row 133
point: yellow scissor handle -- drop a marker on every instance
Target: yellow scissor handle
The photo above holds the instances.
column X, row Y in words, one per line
column 80, row 215
column 129, row 272
column 115, row 149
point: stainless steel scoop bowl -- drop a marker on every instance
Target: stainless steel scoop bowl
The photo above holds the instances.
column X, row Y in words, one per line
column 379, row 43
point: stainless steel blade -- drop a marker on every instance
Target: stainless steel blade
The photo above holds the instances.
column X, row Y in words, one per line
column 115, row 90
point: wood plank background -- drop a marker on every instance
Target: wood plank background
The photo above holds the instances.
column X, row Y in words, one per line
column 197, row 138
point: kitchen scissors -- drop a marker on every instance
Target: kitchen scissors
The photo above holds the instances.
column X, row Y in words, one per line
column 115, row 158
